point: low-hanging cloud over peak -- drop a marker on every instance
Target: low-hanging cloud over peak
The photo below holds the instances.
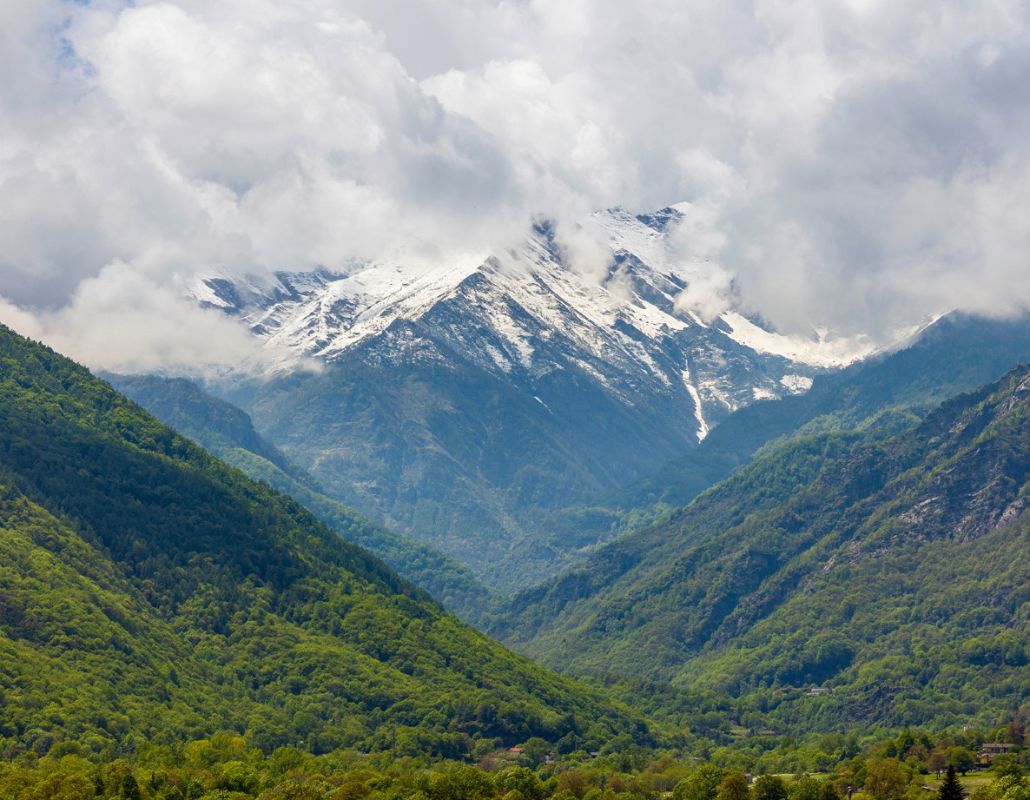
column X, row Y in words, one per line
column 856, row 164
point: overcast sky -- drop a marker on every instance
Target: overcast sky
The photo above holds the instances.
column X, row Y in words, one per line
column 851, row 163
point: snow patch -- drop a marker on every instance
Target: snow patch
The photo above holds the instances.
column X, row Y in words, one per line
column 796, row 384
column 823, row 351
column 702, row 426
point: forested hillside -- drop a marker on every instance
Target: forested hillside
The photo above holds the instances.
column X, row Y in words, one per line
column 889, row 571
column 227, row 432
column 149, row 590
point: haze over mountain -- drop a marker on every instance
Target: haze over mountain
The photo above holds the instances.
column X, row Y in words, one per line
column 227, row 432
column 884, row 393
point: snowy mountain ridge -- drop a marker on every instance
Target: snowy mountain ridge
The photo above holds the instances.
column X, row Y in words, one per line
column 488, row 404
column 524, row 313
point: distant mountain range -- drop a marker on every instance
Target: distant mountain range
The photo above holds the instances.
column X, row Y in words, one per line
column 471, row 403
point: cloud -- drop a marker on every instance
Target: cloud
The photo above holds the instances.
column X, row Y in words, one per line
column 121, row 321
column 855, row 164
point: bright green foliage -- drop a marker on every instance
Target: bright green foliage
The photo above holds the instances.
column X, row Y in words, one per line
column 226, row 765
column 1007, row 787
column 149, row 592
column 806, row 788
column 521, row 780
column 459, row 782
column 702, row 784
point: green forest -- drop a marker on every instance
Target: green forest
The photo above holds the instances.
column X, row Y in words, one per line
column 227, row 432
column 841, row 579
column 150, row 590
column 226, row 766
column 173, row 627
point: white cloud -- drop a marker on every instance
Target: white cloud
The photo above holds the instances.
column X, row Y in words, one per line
column 853, row 164
column 122, row 321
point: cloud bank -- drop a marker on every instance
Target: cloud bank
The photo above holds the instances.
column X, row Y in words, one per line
column 855, row 164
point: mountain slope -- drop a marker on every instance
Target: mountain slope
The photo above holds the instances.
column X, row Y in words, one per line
column 228, row 433
column 865, row 563
column 150, row 590
column 885, row 393
column 463, row 402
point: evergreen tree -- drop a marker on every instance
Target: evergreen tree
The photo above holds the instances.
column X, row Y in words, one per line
column 951, row 789
column 129, row 789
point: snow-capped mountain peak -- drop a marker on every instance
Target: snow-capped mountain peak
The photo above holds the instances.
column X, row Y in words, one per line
column 526, row 312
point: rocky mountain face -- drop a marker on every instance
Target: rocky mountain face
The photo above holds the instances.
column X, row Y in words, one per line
column 471, row 404
column 884, row 393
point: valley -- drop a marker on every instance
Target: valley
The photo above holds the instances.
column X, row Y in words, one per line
column 514, row 400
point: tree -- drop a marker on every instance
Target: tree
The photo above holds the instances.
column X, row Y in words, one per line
column 951, row 789
column 576, row 782
column 769, row 787
column 961, row 758
column 534, row 751
column 937, row 761
column 129, row 790
column 1007, row 764
column 805, row 788
column 885, row 780
column 460, row 782
column 701, row 784
column 733, row 787
column 521, row 780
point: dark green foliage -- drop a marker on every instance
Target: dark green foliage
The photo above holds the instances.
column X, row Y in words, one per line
column 129, row 789
column 951, row 789
column 150, row 591
column 891, row 572
column 769, row 787
column 228, row 433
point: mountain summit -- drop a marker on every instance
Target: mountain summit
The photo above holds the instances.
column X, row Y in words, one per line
column 467, row 403
column 525, row 313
